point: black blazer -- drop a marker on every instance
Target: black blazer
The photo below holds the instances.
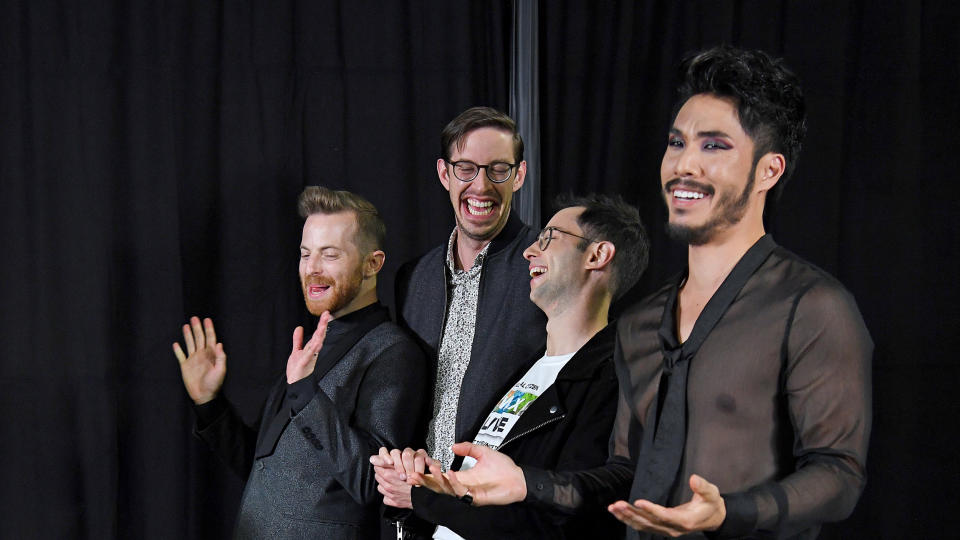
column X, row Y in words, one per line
column 567, row 428
column 509, row 329
column 318, row 482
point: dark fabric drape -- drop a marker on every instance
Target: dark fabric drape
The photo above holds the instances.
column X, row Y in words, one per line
column 151, row 156
column 151, row 153
column 866, row 202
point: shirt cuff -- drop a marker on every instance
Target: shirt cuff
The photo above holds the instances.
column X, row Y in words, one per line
column 210, row 411
column 299, row 394
column 741, row 516
column 539, row 485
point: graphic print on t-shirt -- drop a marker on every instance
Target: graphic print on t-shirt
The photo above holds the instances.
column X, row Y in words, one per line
column 503, row 417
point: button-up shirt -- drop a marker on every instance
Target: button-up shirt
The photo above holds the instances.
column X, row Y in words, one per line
column 463, row 288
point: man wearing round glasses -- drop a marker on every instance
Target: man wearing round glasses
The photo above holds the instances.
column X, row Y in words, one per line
column 467, row 300
column 559, row 413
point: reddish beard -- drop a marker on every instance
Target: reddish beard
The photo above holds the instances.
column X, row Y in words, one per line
column 337, row 296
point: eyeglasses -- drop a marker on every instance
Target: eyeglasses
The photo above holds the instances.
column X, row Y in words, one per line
column 498, row 172
column 546, row 235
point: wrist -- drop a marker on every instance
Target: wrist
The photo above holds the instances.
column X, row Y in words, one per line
column 203, row 399
column 521, row 486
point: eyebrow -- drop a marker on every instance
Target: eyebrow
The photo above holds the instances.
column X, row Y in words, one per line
column 703, row 134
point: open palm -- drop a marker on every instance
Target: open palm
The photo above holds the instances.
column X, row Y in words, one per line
column 205, row 365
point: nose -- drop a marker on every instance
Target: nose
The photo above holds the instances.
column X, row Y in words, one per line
column 532, row 251
column 482, row 182
column 311, row 264
column 687, row 162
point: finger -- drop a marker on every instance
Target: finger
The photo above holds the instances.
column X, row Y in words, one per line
column 408, row 461
column 298, row 338
column 198, row 338
column 209, row 334
column 398, row 462
column 628, row 514
column 384, row 455
column 455, row 484
column 389, row 475
column 703, row 487
column 468, row 449
column 319, row 335
column 384, row 481
column 178, row 352
column 220, row 357
column 419, row 461
column 188, row 339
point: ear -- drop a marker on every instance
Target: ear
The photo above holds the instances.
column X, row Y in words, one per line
column 600, row 254
column 770, row 168
column 442, row 173
column 521, row 175
column 373, row 263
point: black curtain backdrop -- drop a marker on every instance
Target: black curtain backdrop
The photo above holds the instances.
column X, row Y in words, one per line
column 151, row 154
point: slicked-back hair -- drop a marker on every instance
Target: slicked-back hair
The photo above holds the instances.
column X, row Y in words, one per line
column 766, row 94
column 611, row 219
column 474, row 118
column 371, row 231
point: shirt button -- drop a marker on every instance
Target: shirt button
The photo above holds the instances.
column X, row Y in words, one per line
column 260, row 465
column 307, row 430
column 540, row 486
column 293, row 396
column 553, row 409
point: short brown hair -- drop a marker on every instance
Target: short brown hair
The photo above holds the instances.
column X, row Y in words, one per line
column 371, row 231
column 476, row 118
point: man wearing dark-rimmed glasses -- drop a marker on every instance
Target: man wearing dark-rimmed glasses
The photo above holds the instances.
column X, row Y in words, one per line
column 559, row 413
column 467, row 300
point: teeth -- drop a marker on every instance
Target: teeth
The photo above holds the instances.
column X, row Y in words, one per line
column 537, row 270
column 681, row 194
column 479, row 208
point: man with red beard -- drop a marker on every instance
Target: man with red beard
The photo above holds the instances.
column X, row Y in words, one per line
column 745, row 380
column 356, row 385
column 466, row 300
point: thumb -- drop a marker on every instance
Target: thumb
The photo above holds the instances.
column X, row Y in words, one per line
column 466, row 449
column 702, row 487
column 220, row 357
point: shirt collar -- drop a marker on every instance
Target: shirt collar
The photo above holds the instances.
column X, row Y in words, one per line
column 477, row 261
column 348, row 322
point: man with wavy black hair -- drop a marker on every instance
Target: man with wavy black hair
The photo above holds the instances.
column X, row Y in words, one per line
column 745, row 380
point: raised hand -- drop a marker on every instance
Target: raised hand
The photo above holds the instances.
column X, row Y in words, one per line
column 303, row 358
column 205, row 365
column 704, row 512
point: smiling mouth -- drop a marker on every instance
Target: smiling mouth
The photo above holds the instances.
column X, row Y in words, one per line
column 536, row 271
column 316, row 291
column 685, row 195
column 480, row 208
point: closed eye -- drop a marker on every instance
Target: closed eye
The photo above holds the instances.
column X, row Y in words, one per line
column 715, row 145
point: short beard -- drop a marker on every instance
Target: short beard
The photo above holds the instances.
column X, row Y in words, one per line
column 342, row 294
column 731, row 211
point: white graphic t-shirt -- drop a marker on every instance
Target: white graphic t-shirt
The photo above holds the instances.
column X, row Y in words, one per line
column 505, row 415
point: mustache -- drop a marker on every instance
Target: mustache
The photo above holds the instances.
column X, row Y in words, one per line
column 688, row 184
column 317, row 280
